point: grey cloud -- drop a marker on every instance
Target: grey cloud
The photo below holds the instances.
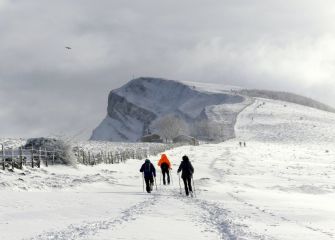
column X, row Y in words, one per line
column 46, row 89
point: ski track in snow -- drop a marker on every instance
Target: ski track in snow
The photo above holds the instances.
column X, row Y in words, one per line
column 88, row 229
column 203, row 213
column 226, row 158
column 216, row 216
column 279, row 218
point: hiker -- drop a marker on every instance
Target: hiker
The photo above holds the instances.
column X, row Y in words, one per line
column 187, row 174
column 165, row 165
column 149, row 173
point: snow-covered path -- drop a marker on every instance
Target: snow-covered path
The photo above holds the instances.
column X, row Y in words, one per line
column 96, row 210
column 280, row 186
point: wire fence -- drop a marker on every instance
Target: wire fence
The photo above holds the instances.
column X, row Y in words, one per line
column 87, row 157
column 11, row 158
column 18, row 157
column 108, row 157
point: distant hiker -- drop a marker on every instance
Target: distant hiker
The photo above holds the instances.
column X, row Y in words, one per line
column 187, row 174
column 240, row 144
column 244, row 144
column 165, row 165
column 149, row 173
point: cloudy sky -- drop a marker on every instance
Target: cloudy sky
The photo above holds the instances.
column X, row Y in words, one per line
column 47, row 90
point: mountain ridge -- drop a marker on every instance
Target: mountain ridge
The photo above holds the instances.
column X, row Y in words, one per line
column 134, row 108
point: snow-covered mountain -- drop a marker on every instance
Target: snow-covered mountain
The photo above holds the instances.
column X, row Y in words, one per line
column 135, row 107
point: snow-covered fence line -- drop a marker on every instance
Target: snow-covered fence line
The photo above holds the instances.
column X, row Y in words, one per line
column 95, row 152
column 107, row 157
column 87, row 153
column 18, row 157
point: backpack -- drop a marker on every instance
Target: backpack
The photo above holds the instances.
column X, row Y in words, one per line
column 147, row 168
column 165, row 166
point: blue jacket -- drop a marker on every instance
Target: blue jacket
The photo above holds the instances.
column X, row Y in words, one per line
column 148, row 169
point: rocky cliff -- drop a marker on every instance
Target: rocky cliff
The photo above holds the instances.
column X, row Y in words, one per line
column 135, row 107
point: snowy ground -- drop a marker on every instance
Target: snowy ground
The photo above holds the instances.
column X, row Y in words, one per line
column 280, row 186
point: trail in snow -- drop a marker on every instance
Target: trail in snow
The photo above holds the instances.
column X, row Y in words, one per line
column 165, row 215
column 89, row 229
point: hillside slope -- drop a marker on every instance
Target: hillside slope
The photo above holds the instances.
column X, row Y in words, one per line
column 277, row 121
column 135, row 107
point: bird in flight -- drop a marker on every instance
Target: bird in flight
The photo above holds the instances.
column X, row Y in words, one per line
column 68, row 48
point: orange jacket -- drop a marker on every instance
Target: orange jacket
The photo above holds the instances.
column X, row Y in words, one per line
column 164, row 159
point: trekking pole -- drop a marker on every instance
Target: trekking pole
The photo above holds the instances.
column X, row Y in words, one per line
column 195, row 195
column 160, row 178
column 171, row 177
column 179, row 183
column 143, row 181
column 156, row 183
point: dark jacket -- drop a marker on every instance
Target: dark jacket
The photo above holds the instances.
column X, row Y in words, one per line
column 148, row 169
column 187, row 169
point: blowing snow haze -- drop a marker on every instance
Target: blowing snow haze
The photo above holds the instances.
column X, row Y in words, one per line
column 47, row 89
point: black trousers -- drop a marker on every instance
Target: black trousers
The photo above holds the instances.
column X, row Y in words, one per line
column 166, row 172
column 188, row 184
column 149, row 182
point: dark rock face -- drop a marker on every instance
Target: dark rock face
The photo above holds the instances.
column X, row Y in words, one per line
column 133, row 108
column 120, row 109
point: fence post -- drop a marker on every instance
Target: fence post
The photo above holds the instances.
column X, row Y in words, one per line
column 32, row 156
column 3, row 156
column 21, row 158
column 78, row 152
column 39, row 157
column 78, row 156
column 84, row 160
column 53, row 158
column 46, row 157
column 13, row 162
